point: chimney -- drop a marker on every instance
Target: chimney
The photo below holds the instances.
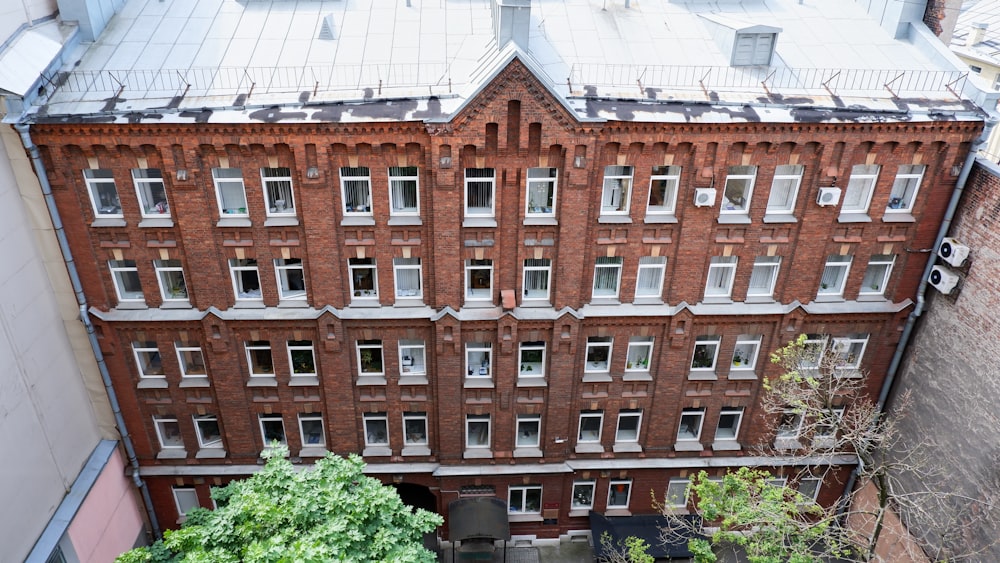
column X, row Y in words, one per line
column 511, row 19
column 976, row 34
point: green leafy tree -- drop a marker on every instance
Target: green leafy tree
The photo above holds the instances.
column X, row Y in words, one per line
column 331, row 512
column 631, row 550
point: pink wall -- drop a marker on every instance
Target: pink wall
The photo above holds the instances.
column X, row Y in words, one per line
column 109, row 520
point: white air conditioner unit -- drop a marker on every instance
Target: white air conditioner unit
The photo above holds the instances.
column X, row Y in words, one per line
column 704, row 197
column 828, row 196
column 943, row 280
column 953, row 252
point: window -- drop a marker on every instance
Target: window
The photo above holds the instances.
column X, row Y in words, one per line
column 784, row 189
column 414, row 429
column 739, row 188
column 975, row 69
column 834, row 275
column 291, row 278
column 103, row 193
column 230, row 192
column 809, row 487
column 301, row 358
column 170, row 276
column 259, row 358
column 541, row 197
column 536, row 279
column 607, row 274
column 877, row 274
column 311, row 430
column 370, row 357
column 826, row 427
column 376, row 429
column 690, row 426
column 663, row 190
column 753, row 49
column 207, row 427
column 528, row 430
column 147, row 359
column 126, row 278
column 479, row 192
column 356, row 188
column 477, row 431
column 904, row 188
column 745, row 353
column 191, row 360
column 789, row 425
column 763, row 276
column 619, row 491
column 186, row 500
column 813, row 349
column 849, row 351
column 729, row 424
column 479, row 279
column 478, row 359
column 590, row 426
column 525, row 499
column 628, row 426
column 640, row 351
column 246, row 279
column 858, row 195
column 407, row 277
column 706, row 352
column 721, row 272
column 364, row 278
column 278, row 199
column 412, row 357
column 649, row 278
column 403, row 198
column 583, row 495
column 272, row 429
column 598, row 354
column 617, row 190
column 532, row 359
column 168, row 431
column 152, row 194
column 676, row 496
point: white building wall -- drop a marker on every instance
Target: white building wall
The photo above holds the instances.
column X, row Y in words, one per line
column 16, row 13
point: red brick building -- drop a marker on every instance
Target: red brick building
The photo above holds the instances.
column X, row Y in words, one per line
column 565, row 301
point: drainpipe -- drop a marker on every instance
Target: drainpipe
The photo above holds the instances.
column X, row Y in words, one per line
column 50, row 203
column 911, row 320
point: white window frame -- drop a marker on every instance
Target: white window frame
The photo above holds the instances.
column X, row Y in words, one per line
column 817, row 485
column 204, row 439
column 747, row 348
column 372, row 436
column 784, row 174
column 860, row 187
column 753, row 49
column 273, row 417
column 119, row 269
column 576, row 503
column 474, row 368
column 792, row 429
column 589, row 437
column 817, row 342
column 616, row 191
column 400, row 181
column 478, row 418
column 185, row 500
column 143, row 364
column 528, row 419
column 283, row 268
column 104, row 207
column 873, row 283
column 252, row 347
column 835, row 283
column 222, row 177
column 654, row 267
column 236, row 268
column 400, row 268
column 166, row 272
column 594, row 343
column 729, row 433
column 145, row 181
column 671, row 497
column 356, row 181
column 523, row 491
column 683, row 433
column 415, row 417
column 745, row 175
column 665, row 181
column 541, row 179
column 478, row 294
column 825, row 435
column 538, row 269
column 765, row 269
column 639, row 354
column 627, row 414
column 487, row 181
column 312, row 418
column 850, row 351
column 627, row 483
column 607, row 271
column 355, row 265
column 721, row 273
column 416, row 351
column 712, row 342
column 909, row 177
column 375, row 346
column 277, row 181
column 182, row 351
column 293, row 346
column 165, row 437
column 531, row 369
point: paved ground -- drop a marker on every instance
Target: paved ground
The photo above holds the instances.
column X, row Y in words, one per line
column 565, row 552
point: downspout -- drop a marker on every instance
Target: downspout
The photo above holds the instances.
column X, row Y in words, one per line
column 904, row 339
column 50, row 203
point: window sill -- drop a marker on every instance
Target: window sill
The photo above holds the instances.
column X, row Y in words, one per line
column 741, row 374
column 409, row 302
column 524, row 517
column 617, row 512
column 194, row 382
column 896, row 217
column 152, row 222
column 533, row 381
column 589, row 448
column 108, row 222
column 293, row 304
column 478, row 303
column 312, row 451
column 412, row 380
column 717, row 300
column 210, row 453
column 549, row 221
column 787, row 444
column 416, row 451
column 535, row 303
column 365, row 302
column 249, row 304
column 759, row 299
column 647, row 300
column 783, row 218
column 734, row 219
column 688, row 446
column 176, row 304
column 480, row 222
column 854, row 218
column 702, row 376
column 527, row 452
column 403, row 221
column 637, row 376
column 830, row 298
column 579, row 512
column 615, row 219
column 666, row 218
column 478, row 453
column 303, row 381
column 597, row 377
column 597, row 300
column 478, row 383
column 234, row 222
column 262, row 381
column 371, row 380
column 132, row 305
column 172, row 453
column 152, row 383
column 281, row 221
column 626, row 447
column 726, row 446
column 362, row 221
column 377, row 451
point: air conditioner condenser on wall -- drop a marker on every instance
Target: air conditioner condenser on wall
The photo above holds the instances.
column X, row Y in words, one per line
column 943, row 279
column 828, row 196
column 704, row 197
column 953, row 252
